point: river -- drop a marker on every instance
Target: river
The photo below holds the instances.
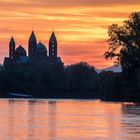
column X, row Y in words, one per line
column 23, row 119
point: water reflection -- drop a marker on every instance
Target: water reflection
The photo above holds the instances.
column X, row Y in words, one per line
column 131, row 120
column 52, row 110
column 60, row 119
column 37, row 119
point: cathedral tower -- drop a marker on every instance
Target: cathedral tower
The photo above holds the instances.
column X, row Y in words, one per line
column 53, row 46
column 12, row 48
column 32, row 44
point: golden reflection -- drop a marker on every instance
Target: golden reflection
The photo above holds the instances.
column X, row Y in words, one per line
column 52, row 111
column 68, row 119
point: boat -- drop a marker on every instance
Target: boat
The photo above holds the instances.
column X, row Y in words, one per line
column 20, row 95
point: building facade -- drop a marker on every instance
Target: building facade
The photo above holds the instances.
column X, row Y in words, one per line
column 38, row 55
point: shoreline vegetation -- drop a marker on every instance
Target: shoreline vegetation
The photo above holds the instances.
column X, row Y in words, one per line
column 80, row 80
column 77, row 81
column 8, row 96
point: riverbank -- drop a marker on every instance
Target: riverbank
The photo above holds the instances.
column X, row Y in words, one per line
column 64, row 95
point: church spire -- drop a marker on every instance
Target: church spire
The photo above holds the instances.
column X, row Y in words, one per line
column 12, row 48
column 53, row 46
column 32, row 37
column 53, row 37
column 32, row 44
column 12, row 41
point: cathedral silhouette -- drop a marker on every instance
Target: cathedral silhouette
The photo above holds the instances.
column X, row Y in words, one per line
column 37, row 54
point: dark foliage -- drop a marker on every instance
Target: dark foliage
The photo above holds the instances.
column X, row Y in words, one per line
column 81, row 79
column 74, row 81
column 124, row 43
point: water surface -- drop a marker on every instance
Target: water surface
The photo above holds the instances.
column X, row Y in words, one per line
column 68, row 119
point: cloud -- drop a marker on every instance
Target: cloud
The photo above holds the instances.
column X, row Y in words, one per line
column 80, row 25
column 83, row 2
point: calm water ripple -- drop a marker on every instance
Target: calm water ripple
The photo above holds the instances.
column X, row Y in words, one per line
column 23, row 119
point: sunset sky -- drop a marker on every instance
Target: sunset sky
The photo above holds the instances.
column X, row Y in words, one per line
column 80, row 25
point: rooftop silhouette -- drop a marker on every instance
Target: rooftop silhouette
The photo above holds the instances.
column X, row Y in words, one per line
column 37, row 53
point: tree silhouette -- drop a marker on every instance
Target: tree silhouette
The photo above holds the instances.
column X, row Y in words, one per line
column 80, row 76
column 124, row 43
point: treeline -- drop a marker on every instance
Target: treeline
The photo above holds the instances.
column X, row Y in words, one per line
column 74, row 81
column 78, row 80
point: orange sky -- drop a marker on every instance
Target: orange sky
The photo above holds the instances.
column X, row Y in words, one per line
column 80, row 25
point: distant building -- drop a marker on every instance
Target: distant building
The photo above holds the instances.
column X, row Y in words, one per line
column 37, row 54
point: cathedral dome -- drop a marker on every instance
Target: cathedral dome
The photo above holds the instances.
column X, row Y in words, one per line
column 41, row 49
column 20, row 51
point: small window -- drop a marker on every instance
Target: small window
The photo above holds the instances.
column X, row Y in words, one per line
column 52, row 53
column 52, row 46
